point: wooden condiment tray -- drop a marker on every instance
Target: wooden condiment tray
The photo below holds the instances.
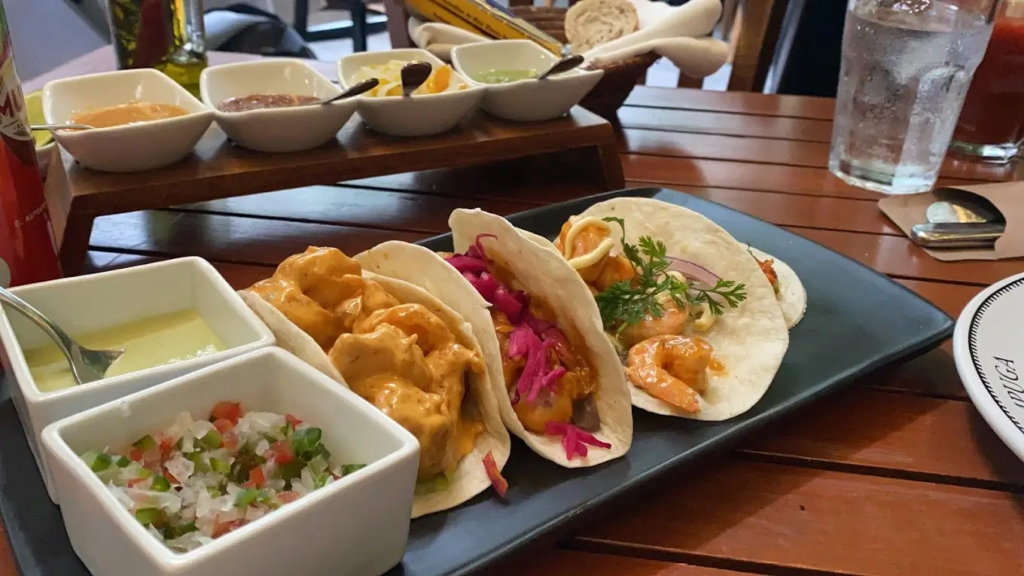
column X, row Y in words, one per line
column 218, row 169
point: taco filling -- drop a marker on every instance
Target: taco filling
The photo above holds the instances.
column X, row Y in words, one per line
column 647, row 301
column 403, row 358
column 550, row 382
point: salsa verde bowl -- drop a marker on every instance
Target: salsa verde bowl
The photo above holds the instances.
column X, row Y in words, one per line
column 355, row 525
column 527, row 100
column 290, row 129
column 85, row 304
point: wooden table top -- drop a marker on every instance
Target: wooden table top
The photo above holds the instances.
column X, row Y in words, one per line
column 896, row 474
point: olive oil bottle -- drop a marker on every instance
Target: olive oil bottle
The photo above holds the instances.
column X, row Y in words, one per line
column 164, row 34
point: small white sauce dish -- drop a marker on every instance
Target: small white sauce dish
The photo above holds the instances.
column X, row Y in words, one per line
column 43, row 156
column 133, row 147
column 275, row 129
column 419, row 114
column 85, row 304
column 356, row 526
column 523, row 100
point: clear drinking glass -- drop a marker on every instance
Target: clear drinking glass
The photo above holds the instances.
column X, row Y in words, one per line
column 906, row 67
column 991, row 125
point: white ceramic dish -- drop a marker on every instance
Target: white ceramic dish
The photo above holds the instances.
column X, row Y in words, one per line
column 418, row 115
column 356, row 526
column 87, row 303
column 523, row 100
column 277, row 129
column 131, row 148
column 987, row 347
column 43, row 155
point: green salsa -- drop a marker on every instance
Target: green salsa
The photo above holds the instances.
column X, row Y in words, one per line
column 504, row 76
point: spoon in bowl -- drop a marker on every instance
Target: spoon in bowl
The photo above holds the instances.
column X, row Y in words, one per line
column 55, row 127
column 86, row 365
column 364, row 86
column 563, row 65
column 414, row 74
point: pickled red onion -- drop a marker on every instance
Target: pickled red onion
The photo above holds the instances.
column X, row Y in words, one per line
column 693, row 270
column 574, row 440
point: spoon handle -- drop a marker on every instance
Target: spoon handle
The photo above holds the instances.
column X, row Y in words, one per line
column 63, row 340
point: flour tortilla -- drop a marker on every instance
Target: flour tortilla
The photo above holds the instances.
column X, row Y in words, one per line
column 541, row 273
column 470, row 477
column 750, row 340
column 792, row 295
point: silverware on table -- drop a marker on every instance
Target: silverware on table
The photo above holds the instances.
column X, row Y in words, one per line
column 563, row 65
column 959, row 219
column 55, row 127
column 86, row 365
column 364, row 86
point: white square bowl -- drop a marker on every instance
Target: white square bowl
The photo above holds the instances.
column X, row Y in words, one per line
column 356, row 526
column 417, row 115
column 277, row 129
column 134, row 147
column 87, row 303
column 523, row 100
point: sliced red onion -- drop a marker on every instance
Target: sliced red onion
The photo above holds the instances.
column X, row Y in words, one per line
column 477, row 249
column 484, row 283
column 693, row 271
column 536, row 324
column 559, row 341
column 510, row 303
column 467, row 264
column 574, row 440
column 545, row 381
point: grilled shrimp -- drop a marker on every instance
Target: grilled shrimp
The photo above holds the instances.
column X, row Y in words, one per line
column 670, row 323
column 671, row 368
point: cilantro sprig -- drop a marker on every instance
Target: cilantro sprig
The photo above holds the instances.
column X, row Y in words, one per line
column 629, row 301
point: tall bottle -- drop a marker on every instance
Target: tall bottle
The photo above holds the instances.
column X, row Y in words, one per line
column 164, row 34
column 27, row 252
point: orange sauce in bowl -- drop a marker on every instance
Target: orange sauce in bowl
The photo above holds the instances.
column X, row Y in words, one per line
column 124, row 114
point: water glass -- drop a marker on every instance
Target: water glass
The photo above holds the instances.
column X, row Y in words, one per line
column 906, row 67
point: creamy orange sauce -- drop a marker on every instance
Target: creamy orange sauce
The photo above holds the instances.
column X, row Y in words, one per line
column 130, row 113
column 401, row 357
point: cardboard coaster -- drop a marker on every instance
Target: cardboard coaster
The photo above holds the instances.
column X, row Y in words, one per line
column 1007, row 197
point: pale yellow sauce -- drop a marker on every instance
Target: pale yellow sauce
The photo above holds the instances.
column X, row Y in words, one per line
column 147, row 343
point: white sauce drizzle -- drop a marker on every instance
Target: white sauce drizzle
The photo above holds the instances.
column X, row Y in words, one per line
column 595, row 256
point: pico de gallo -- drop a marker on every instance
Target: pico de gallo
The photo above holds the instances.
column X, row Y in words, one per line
column 200, row 479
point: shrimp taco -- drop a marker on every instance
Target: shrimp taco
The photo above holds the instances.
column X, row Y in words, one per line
column 789, row 290
column 405, row 352
column 693, row 315
column 556, row 377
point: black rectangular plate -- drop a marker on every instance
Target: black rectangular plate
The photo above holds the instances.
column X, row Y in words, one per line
column 857, row 320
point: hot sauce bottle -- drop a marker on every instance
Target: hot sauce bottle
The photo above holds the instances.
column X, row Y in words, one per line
column 27, row 253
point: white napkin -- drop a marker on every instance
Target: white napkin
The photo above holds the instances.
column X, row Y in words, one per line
column 675, row 33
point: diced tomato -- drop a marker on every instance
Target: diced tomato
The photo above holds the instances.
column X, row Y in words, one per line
column 223, row 425
column 135, row 481
column 497, row 480
column 135, row 455
column 170, row 477
column 230, row 440
column 282, row 452
column 222, row 528
column 289, row 496
column 292, row 420
column 257, row 478
column 230, row 411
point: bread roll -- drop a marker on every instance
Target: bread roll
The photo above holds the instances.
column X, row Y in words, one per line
column 590, row 23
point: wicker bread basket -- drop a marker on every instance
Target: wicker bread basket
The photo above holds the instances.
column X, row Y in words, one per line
column 619, row 77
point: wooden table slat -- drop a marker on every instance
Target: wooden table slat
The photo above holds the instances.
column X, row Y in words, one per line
column 738, row 102
column 766, row 514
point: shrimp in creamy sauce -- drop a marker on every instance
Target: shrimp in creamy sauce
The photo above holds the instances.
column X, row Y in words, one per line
column 403, row 358
column 671, row 368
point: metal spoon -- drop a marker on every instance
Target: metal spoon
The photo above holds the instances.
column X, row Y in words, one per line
column 55, row 127
column 414, row 74
column 86, row 365
column 563, row 65
column 364, row 86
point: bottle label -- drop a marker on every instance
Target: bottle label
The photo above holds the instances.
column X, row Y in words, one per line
column 14, row 130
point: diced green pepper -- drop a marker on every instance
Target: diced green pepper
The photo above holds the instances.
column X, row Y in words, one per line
column 97, row 461
column 148, row 516
column 197, row 459
column 211, row 440
column 213, row 491
column 304, row 441
column 172, row 532
column 246, row 497
column 160, row 484
column 220, row 466
column 146, row 443
column 347, row 469
column 321, row 480
column 122, row 462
